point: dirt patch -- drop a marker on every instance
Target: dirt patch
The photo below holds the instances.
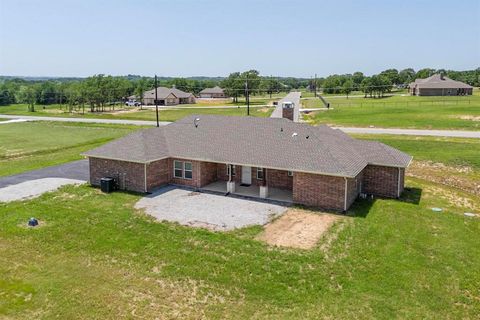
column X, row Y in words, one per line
column 461, row 177
column 264, row 110
column 470, row 118
column 454, row 198
column 297, row 229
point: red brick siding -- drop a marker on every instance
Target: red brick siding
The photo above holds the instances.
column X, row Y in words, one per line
column 353, row 188
column 208, row 173
column 287, row 113
column 222, row 173
column 196, row 178
column 279, row 179
column 128, row 175
column 158, row 174
column 382, row 181
column 317, row 190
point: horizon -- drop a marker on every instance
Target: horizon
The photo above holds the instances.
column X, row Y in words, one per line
column 213, row 38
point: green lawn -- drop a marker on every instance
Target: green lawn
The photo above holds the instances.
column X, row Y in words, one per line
column 95, row 257
column 33, row 145
column 400, row 112
column 147, row 114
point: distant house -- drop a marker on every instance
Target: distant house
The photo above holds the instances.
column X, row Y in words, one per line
column 215, row 92
column 168, row 97
column 439, row 85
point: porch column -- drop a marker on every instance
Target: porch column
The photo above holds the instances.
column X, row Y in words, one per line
column 264, row 186
column 230, row 183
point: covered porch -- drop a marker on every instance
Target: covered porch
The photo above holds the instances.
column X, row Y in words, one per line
column 252, row 191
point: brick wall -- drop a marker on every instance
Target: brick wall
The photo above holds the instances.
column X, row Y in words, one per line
column 222, row 173
column 158, row 174
column 279, row 179
column 317, row 190
column 128, row 175
column 287, row 113
column 208, row 173
column 382, row 181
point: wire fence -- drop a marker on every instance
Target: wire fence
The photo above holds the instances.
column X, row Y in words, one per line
column 400, row 103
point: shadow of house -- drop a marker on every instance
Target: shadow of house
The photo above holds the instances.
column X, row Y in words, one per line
column 411, row 195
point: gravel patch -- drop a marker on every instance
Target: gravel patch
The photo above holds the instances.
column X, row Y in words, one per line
column 214, row 212
column 33, row 188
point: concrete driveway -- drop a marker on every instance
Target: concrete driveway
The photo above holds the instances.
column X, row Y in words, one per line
column 211, row 211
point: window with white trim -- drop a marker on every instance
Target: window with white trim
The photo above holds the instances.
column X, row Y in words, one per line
column 187, row 170
column 259, row 173
column 234, row 170
column 290, row 173
column 182, row 170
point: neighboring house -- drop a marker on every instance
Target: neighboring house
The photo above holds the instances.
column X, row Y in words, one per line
column 313, row 166
column 212, row 93
column 439, row 85
column 167, row 97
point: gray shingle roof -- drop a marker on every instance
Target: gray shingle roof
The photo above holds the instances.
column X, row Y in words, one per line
column 437, row 81
column 215, row 89
column 163, row 92
column 259, row 142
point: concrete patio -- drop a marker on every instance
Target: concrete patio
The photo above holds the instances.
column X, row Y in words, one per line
column 252, row 191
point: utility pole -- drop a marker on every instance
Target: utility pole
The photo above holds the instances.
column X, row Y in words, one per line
column 156, row 100
column 315, row 85
column 247, row 97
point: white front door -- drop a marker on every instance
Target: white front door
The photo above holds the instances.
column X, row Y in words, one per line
column 246, row 175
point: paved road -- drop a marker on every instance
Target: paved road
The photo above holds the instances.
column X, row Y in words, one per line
column 87, row 120
column 77, row 170
column 411, row 132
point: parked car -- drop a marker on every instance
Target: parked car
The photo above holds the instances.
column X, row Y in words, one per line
column 133, row 103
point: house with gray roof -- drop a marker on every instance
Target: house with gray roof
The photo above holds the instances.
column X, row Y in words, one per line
column 439, row 85
column 213, row 93
column 168, row 97
column 272, row 158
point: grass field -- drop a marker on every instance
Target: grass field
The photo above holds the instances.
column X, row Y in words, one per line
column 400, row 112
column 32, row 145
column 94, row 256
column 134, row 114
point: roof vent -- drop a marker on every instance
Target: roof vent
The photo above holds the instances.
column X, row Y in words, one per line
column 294, row 134
column 307, row 137
column 196, row 121
column 281, row 129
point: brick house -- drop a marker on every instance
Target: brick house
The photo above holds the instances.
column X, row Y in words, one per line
column 167, row 97
column 439, row 85
column 213, row 93
column 271, row 158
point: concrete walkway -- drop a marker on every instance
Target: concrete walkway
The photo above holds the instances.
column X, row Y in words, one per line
column 411, row 132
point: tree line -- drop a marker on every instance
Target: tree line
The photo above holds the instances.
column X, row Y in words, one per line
column 99, row 91
column 379, row 84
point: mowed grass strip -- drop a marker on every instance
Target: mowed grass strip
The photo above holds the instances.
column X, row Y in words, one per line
column 399, row 112
column 93, row 256
column 32, row 145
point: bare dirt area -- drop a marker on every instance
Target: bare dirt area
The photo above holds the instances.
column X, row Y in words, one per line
column 297, row 229
column 461, row 177
column 469, row 117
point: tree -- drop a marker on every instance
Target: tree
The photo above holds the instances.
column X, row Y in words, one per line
column 366, row 86
column 425, row 73
column 392, row 75
column 28, row 95
column 406, row 75
column 357, row 79
column 348, row 87
column 141, row 87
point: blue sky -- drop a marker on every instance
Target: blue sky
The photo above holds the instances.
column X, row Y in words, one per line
column 214, row 38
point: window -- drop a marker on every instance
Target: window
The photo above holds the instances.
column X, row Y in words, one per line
column 290, row 173
column 259, row 173
column 234, row 170
column 178, row 169
column 188, row 170
column 182, row 169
